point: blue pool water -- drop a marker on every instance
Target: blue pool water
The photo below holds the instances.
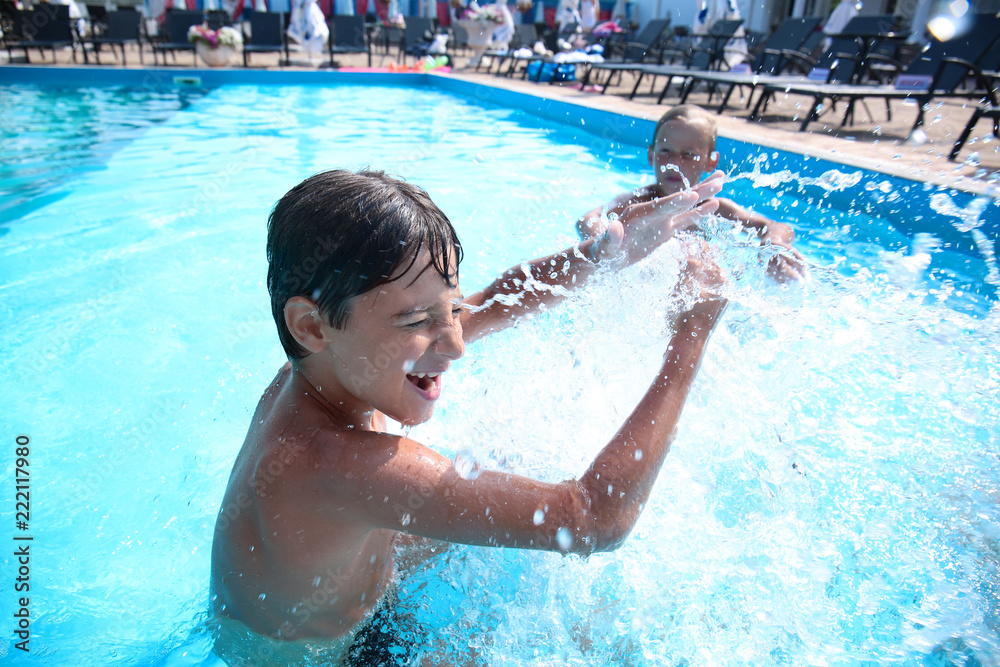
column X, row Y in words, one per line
column 832, row 497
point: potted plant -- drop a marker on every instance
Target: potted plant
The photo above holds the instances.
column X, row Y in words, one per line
column 215, row 47
column 479, row 23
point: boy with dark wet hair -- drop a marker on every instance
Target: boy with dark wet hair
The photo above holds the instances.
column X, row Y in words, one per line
column 363, row 277
column 682, row 152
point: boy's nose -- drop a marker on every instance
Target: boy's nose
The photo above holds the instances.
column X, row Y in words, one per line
column 450, row 343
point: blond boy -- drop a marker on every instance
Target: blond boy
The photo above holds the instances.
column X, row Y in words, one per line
column 681, row 154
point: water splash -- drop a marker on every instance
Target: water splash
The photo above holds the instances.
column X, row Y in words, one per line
column 467, row 465
column 674, row 168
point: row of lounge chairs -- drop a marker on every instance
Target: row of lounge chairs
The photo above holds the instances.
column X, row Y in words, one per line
column 49, row 28
column 862, row 63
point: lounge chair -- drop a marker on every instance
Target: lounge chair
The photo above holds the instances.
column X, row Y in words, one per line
column 459, row 37
column 347, row 35
column 414, row 34
column 176, row 25
column 707, row 54
column 844, row 60
column 938, row 71
column 771, row 58
column 47, row 28
column 97, row 18
column 525, row 36
column 267, row 35
column 644, row 48
column 123, row 26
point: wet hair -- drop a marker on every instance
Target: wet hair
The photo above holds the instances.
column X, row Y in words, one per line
column 339, row 234
column 693, row 114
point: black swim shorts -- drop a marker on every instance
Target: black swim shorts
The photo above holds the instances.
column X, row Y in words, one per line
column 386, row 640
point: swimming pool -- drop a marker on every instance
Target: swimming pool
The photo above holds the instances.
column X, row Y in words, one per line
column 831, row 498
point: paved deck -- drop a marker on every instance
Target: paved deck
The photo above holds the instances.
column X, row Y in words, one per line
column 877, row 144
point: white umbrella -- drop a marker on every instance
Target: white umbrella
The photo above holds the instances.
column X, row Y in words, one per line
column 307, row 27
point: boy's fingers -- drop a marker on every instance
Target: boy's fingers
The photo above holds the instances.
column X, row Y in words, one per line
column 676, row 202
column 711, row 186
column 690, row 219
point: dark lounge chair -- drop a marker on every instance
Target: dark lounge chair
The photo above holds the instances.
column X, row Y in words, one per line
column 415, row 37
column 47, row 28
column 771, row 58
column 644, row 48
column 122, row 27
column 347, row 35
column 176, row 25
column 940, row 70
column 525, row 36
column 843, row 61
column 267, row 35
column 707, row 54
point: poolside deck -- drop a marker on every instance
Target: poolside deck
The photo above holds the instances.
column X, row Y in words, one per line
column 878, row 145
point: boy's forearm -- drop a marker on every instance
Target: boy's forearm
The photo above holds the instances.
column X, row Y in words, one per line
column 619, row 481
column 527, row 288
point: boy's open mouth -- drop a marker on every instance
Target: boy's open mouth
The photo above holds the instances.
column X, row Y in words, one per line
column 428, row 384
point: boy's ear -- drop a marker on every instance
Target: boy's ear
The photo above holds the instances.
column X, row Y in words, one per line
column 649, row 153
column 304, row 321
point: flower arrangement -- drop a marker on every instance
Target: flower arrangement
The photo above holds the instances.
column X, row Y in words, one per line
column 488, row 13
column 213, row 39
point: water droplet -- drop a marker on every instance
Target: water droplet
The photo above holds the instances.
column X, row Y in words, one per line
column 539, row 517
column 262, row 596
column 316, row 582
column 564, row 538
column 408, row 365
column 405, row 520
column 467, row 465
column 917, row 138
column 638, row 455
column 973, row 160
column 319, row 388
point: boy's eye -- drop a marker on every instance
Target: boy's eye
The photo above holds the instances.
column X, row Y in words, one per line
column 687, row 156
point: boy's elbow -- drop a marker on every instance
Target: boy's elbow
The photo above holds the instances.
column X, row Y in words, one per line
column 598, row 531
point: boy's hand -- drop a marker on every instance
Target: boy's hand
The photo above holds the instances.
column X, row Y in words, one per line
column 788, row 263
column 644, row 227
column 701, row 279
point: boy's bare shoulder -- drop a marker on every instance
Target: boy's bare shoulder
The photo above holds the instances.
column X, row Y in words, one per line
column 338, row 457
